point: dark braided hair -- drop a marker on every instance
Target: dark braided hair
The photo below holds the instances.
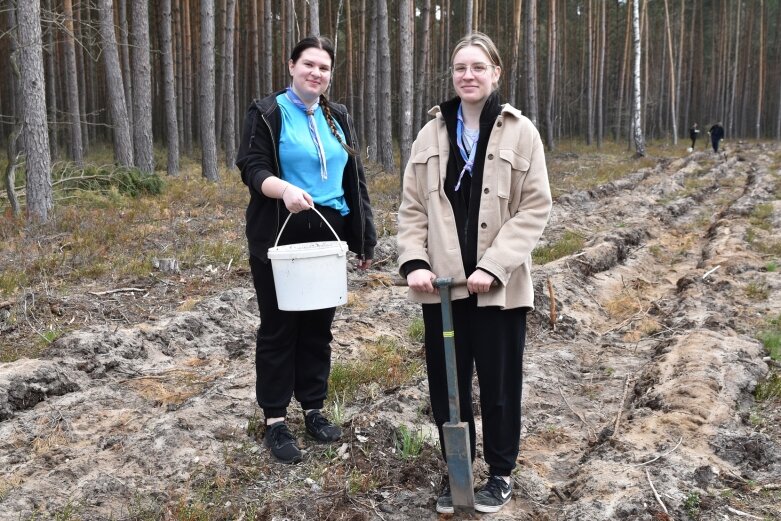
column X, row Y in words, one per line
column 323, row 43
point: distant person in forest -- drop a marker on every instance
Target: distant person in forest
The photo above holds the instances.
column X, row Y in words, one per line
column 299, row 151
column 716, row 133
column 694, row 133
column 477, row 223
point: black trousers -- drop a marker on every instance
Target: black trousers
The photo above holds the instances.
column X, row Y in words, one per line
column 293, row 350
column 492, row 341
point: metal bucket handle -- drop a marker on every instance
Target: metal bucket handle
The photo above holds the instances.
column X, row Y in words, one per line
column 341, row 245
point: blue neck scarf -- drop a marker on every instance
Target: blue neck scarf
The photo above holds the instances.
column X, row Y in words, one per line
column 470, row 157
column 310, row 117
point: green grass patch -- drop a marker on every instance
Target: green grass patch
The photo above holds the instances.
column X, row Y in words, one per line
column 762, row 216
column 409, row 442
column 771, row 338
column 384, row 363
column 11, row 280
column 569, row 243
column 416, row 330
column 769, row 389
column 771, row 266
column 757, row 290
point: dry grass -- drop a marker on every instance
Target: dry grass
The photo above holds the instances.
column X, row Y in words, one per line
column 172, row 388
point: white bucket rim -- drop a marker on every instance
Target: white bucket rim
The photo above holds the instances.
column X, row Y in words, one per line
column 304, row 250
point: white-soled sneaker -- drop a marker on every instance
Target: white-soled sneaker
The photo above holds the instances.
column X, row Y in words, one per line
column 494, row 495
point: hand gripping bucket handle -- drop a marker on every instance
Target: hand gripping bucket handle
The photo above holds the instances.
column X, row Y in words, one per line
column 321, row 216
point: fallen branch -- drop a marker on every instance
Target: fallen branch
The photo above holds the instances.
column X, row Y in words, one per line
column 553, row 313
column 656, row 494
column 111, row 291
column 621, row 405
column 592, row 436
column 710, row 271
column 660, row 455
column 743, row 514
column 7, row 304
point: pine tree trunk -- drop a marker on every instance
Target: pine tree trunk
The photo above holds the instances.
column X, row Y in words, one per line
column 268, row 48
column 349, row 59
column 637, row 127
column 51, row 87
column 254, row 37
column 169, row 88
column 552, row 50
column 370, row 107
column 187, row 58
column 468, row 19
column 124, row 50
column 516, row 47
column 206, row 85
column 142, row 88
column 385, row 129
column 72, row 86
column 13, row 142
column 123, row 142
column 673, row 114
column 601, row 73
column 177, row 36
column 406, row 51
column 618, row 127
column 35, row 132
column 423, row 64
column 530, row 35
column 230, row 98
column 761, row 79
column 314, row 17
column 590, row 75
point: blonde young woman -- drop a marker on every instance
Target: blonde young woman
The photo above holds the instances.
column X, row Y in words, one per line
column 298, row 151
column 475, row 202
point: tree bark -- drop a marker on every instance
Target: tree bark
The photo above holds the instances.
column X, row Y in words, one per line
column 169, row 89
column 385, row 129
column 370, row 107
column 33, row 90
column 673, row 112
column 268, row 48
column 423, row 59
column 314, row 17
column 530, row 35
column 637, row 127
column 142, row 88
column 72, row 86
column 601, row 72
column 124, row 49
column 187, row 58
column 51, row 87
column 406, row 48
column 230, row 98
column 761, row 79
column 206, row 83
column 468, row 19
column 117, row 106
column 552, row 41
column 516, row 47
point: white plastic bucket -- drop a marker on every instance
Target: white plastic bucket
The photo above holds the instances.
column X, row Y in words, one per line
column 309, row 275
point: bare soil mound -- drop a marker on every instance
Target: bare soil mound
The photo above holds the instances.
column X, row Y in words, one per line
column 639, row 375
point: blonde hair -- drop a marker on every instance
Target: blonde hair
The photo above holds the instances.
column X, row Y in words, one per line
column 478, row 39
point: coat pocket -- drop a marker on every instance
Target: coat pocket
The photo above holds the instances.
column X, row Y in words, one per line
column 513, row 169
column 426, row 165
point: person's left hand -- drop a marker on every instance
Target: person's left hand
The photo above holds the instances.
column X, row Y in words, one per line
column 479, row 282
column 364, row 264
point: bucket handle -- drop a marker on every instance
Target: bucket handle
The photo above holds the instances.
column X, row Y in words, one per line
column 321, row 216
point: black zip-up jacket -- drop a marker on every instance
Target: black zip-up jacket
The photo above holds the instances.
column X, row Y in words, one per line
column 258, row 159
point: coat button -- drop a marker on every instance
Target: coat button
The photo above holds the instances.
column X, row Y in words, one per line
column 486, row 190
column 490, row 156
column 483, row 226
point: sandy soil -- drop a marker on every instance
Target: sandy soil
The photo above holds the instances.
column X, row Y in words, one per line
column 637, row 388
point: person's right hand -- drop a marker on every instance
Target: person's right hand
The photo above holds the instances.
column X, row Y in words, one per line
column 421, row 280
column 296, row 199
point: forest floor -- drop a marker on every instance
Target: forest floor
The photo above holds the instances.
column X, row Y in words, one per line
column 651, row 387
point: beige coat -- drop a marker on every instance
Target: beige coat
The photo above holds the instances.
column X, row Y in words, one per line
column 514, row 209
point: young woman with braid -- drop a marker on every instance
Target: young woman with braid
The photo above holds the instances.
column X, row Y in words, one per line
column 298, row 151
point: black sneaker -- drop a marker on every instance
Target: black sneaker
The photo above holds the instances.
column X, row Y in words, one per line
column 320, row 428
column 494, row 495
column 282, row 443
column 445, row 500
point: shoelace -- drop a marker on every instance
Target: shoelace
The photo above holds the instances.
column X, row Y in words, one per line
column 282, row 434
column 495, row 486
column 318, row 420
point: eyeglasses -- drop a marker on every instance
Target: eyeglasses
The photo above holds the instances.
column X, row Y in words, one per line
column 478, row 69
